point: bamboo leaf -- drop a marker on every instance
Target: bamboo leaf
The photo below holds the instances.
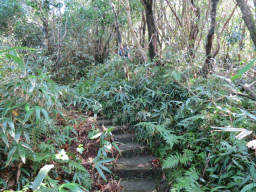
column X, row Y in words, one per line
column 41, row 175
column 73, row 187
column 16, row 48
column 17, row 60
column 37, row 109
column 10, row 155
column 28, row 115
column 248, row 187
column 22, row 154
column 104, row 168
column 243, row 70
column 101, row 173
column 45, row 113
column 5, row 139
column 17, row 136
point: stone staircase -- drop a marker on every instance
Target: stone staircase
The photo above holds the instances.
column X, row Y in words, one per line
column 134, row 167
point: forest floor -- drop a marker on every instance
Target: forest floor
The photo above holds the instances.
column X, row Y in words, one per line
column 91, row 147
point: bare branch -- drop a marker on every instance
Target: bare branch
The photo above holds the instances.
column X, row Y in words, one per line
column 174, row 13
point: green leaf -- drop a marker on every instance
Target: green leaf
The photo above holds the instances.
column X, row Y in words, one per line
column 80, row 149
column 4, row 126
column 27, row 107
column 37, row 113
column 249, row 187
column 10, row 155
column 41, row 175
column 25, row 145
column 171, row 162
column 45, row 113
column 94, row 134
column 110, row 129
column 249, row 114
column 22, row 154
column 27, row 137
column 11, row 125
column 176, row 75
column 17, row 60
column 17, row 136
column 115, row 145
column 28, row 114
column 5, row 139
column 11, row 132
column 101, row 173
column 243, row 70
column 104, row 168
column 105, row 161
column 16, row 48
column 72, row 187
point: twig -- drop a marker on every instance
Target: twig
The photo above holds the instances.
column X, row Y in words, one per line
column 174, row 13
column 222, row 30
column 206, row 164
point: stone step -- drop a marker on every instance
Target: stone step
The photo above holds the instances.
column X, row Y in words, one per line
column 131, row 149
column 124, row 138
column 138, row 185
column 136, row 167
column 104, row 122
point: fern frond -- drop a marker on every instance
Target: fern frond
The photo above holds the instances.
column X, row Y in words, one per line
column 190, row 120
column 188, row 182
column 164, row 133
column 75, row 166
column 171, row 161
column 171, row 139
column 186, row 157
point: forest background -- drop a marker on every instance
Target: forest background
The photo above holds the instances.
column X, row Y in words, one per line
column 188, row 88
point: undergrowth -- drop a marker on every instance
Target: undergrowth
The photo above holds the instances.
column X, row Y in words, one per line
column 174, row 117
column 31, row 137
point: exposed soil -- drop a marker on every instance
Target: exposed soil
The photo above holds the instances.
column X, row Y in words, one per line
column 91, row 149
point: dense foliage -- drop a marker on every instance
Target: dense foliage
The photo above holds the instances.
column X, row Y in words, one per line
column 180, row 74
column 176, row 122
column 30, row 136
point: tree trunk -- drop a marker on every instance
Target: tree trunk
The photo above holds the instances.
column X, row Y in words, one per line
column 119, row 40
column 152, row 32
column 118, row 33
column 44, row 8
column 45, row 30
column 208, row 48
column 194, row 30
column 130, row 24
column 143, row 29
column 248, row 18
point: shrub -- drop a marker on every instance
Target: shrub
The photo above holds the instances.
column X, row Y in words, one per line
column 29, row 107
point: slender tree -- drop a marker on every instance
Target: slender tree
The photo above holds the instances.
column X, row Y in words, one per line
column 130, row 24
column 143, row 29
column 152, row 31
column 210, row 36
column 118, row 33
column 44, row 7
column 248, row 18
column 194, row 29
